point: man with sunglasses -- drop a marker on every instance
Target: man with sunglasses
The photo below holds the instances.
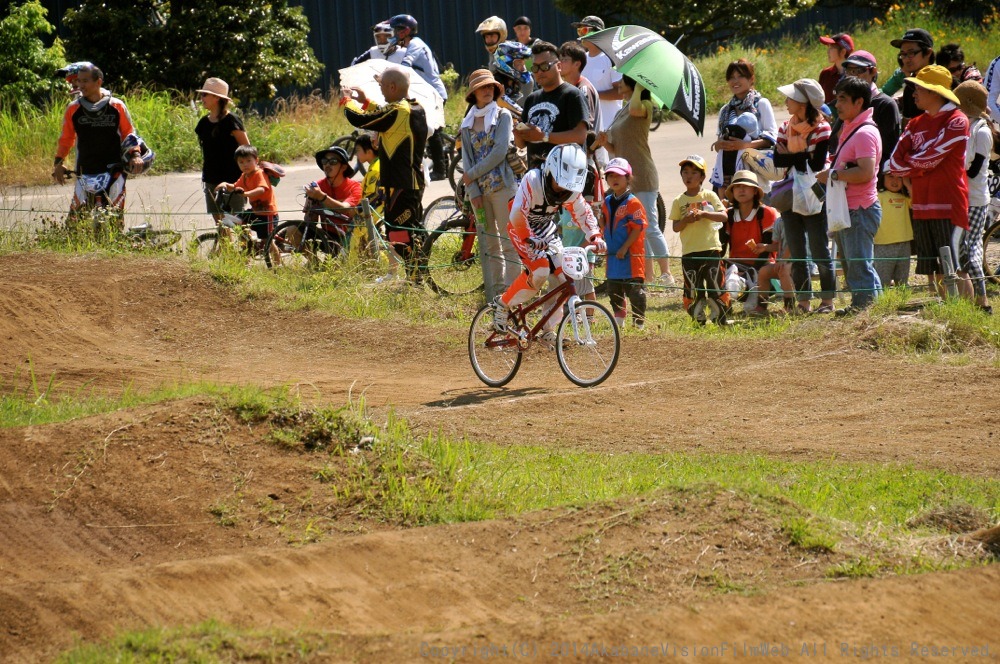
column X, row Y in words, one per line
column 600, row 72
column 555, row 113
column 952, row 58
column 885, row 113
column 916, row 51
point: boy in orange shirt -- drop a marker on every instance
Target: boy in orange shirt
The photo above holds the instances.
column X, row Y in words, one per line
column 256, row 187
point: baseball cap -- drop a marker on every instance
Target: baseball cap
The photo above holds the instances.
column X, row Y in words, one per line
column 522, row 20
column 695, row 160
column 842, row 39
column 620, row 166
column 861, row 58
column 595, row 22
column 916, row 35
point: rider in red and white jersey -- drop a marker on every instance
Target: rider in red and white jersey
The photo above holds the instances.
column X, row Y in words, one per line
column 533, row 228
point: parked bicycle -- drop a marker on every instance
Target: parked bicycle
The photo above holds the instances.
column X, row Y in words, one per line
column 312, row 243
column 232, row 230
column 102, row 197
column 587, row 340
column 451, row 247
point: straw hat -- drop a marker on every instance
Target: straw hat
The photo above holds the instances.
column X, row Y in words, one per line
column 748, row 178
column 217, row 87
column 937, row 79
column 972, row 98
column 805, row 91
column 481, row 78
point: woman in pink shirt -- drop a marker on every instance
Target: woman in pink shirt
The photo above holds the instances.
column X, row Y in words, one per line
column 856, row 164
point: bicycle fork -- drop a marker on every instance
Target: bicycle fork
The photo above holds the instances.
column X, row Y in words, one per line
column 580, row 322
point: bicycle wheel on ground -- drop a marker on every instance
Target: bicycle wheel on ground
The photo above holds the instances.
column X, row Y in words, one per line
column 439, row 211
column 205, row 246
column 453, row 259
column 495, row 356
column 300, row 245
column 587, row 344
column 991, row 251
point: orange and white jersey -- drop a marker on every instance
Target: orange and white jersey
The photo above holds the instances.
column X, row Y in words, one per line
column 532, row 215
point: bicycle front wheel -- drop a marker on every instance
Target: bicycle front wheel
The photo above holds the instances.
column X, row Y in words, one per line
column 587, row 344
column 495, row 356
column 300, row 245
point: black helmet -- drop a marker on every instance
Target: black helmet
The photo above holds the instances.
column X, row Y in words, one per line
column 341, row 154
column 403, row 21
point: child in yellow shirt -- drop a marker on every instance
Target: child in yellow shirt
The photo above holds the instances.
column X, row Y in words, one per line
column 892, row 242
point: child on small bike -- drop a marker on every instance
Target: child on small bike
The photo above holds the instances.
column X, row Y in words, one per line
column 256, row 187
column 625, row 233
column 697, row 215
column 557, row 184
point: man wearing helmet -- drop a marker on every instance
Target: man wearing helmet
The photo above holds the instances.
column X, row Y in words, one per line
column 419, row 57
column 382, row 33
column 99, row 125
column 402, row 127
column 509, row 68
column 493, row 32
column 543, row 192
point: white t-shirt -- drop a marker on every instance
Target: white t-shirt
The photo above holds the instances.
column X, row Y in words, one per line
column 603, row 77
column 980, row 142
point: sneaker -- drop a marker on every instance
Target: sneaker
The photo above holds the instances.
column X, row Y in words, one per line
column 499, row 314
column 386, row 278
column 666, row 280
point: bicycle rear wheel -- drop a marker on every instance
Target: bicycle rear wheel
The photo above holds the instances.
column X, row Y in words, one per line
column 588, row 344
column 206, row 246
column 448, row 270
column 495, row 356
column 159, row 239
column 300, row 245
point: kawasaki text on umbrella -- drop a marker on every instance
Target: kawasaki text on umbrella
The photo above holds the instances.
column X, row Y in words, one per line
column 616, row 43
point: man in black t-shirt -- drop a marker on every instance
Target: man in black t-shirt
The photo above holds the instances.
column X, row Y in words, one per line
column 555, row 113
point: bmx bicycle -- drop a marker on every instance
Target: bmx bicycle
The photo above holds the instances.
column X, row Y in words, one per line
column 587, row 340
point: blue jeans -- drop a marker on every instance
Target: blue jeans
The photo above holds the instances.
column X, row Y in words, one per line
column 656, row 244
column 798, row 229
column 858, row 242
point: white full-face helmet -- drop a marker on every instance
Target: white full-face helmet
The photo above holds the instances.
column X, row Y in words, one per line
column 382, row 28
column 567, row 164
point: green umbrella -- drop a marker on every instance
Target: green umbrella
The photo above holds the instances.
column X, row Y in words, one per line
column 646, row 56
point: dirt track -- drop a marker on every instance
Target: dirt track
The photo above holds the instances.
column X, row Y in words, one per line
column 123, row 540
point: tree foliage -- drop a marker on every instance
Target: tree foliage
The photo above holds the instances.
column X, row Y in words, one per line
column 254, row 45
column 699, row 24
column 26, row 63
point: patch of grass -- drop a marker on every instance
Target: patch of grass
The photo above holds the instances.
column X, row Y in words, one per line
column 855, row 568
column 809, row 534
column 28, row 400
column 210, row 641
